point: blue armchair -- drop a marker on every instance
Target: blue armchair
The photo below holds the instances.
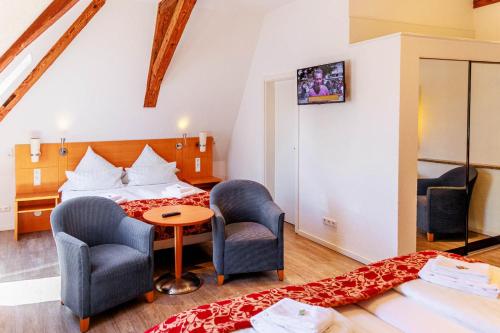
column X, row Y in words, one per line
column 247, row 229
column 105, row 257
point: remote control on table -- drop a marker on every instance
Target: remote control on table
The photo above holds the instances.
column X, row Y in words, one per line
column 165, row 215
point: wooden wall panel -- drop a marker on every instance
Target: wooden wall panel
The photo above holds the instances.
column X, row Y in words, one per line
column 119, row 153
column 48, row 164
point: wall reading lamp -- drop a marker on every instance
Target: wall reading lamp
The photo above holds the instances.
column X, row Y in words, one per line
column 35, row 150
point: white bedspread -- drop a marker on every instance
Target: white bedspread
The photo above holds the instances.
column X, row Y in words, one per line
column 128, row 192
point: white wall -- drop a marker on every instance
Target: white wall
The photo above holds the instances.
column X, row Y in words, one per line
column 369, row 19
column 487, row 22
column 348, row 153
column 95, row 89
column 15, row 17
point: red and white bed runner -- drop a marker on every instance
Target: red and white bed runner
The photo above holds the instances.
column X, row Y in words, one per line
column 137, row 208
column 358, row 285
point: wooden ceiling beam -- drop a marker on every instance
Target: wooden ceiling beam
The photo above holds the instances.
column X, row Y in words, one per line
column 482, row 3
column 49, row 16
column 165, row 43
column 51, row 56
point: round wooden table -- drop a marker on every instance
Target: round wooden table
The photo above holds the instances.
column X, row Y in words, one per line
column 190, row 215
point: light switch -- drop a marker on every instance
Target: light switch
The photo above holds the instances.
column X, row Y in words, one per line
column 37, row 177
column 197, row 164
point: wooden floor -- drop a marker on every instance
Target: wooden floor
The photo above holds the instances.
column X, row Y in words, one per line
column 445, row 244
column 34, row 256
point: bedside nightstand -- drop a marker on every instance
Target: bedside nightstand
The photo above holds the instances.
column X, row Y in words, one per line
column 33, row 203
column 205, row 183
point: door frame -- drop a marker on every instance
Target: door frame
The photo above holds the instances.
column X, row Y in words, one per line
column 269, row 136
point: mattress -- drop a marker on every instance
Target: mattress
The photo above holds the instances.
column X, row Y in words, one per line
column 128, row 192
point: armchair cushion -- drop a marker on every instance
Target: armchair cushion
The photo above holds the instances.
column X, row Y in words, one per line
column 247, row 232
column 110, row 261
column 249, row 247
column 119, row 273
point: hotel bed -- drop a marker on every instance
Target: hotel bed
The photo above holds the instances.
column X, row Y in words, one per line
column 139, row 199
column 386, row 296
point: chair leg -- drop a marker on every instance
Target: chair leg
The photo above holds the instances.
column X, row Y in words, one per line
column 430, row 237
column 150, row 296
column 84, row 324
column 281, row 274
column 220, row 280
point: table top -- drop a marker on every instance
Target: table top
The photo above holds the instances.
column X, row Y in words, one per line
column 190, row 215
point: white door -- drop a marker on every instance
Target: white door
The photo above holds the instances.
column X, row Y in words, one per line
column 286, row 150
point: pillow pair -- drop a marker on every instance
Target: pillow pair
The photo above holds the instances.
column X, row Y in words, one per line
column 95, row 173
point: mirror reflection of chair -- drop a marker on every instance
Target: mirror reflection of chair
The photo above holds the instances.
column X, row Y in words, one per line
column 442, row 203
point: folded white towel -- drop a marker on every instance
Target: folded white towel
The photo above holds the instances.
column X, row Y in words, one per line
column 289, row 316
column 178, row 191
column 116, row 198
column 454, row 268
column 491, row 290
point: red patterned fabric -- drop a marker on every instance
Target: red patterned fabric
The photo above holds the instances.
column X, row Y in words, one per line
column 137, row 208
column 361, row 284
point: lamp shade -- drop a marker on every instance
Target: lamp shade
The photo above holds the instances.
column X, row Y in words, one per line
column 35, row 150
column 203, row 141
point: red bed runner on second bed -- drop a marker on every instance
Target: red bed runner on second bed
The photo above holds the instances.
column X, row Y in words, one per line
column 137, row 208
column 358, row 285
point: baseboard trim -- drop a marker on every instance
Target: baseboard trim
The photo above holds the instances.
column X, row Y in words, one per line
column 335, row 248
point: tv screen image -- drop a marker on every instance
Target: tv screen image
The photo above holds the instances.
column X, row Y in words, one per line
column 321, row 84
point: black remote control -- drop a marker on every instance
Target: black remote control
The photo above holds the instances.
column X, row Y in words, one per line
column 165, row 215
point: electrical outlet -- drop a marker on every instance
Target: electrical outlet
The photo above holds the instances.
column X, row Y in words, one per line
column 330, row 222
column 37, row 177
column 197, row 164
column 4, row 209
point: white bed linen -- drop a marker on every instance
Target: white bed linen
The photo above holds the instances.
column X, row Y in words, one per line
column 410, row 316
column 128, row 192
column 481, row 314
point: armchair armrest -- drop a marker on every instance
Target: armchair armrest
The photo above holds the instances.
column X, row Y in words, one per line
column 446, row 209
column 272, row 217
column 74, row 263
column 135, row 234
column 424, row 183
column 218, row 238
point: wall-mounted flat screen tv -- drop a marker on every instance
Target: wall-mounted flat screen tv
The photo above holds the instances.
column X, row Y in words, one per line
column 321, row 84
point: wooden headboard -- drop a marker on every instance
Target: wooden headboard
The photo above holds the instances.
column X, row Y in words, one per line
column 119, row 153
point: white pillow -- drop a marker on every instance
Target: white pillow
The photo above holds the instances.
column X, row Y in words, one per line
column 149, row 157
column 151, row 175
column 93, row 162
column 93, row 180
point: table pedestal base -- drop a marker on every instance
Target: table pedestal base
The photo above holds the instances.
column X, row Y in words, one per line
column 168, row 284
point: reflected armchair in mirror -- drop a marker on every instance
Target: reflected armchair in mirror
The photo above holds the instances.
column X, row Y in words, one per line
column 442, row 203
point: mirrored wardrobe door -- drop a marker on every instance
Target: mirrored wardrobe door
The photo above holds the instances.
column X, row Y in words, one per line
column 484, row 212
column 441, row 197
